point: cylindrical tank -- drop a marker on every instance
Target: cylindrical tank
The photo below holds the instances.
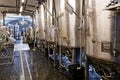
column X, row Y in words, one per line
column 100, row 24
column 42, row 23
column 49, row 19
column 102, row 43
column 68, row 23
column 37, row 16
column 30, row 33
column 62, row 21
column 74, row 23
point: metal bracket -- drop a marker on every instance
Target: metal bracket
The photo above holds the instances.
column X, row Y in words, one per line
column 108, row 47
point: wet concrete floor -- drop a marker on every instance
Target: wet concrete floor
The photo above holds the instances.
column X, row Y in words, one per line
column 30, row 65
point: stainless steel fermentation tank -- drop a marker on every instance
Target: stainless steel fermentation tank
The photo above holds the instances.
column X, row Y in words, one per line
column 63, row 23
column 58, row 22
column 67, row 32
column 103, row 39
column 68, row 23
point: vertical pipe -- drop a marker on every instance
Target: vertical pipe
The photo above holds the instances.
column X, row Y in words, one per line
column 32, row 21
column 45, row 24
column 54, row 53
column 81, row 15
column 16, row 4
column 80, row 48
column 48, row 49
column 115, row 33
column 86, row 68
column 33, row 29
column 60, row 62
column 56, row 31
column 73, row 56
column 14, row 32
column 67, row 25
column 86, row 59
column 3, row 18
column 54, row 22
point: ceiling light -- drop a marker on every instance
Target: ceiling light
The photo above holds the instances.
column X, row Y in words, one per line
column 23, row 1
column 21, row 8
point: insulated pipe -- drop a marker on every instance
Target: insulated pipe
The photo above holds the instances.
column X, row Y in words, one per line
column 56, row 24
column 45, row 26
column 33, row 29
column 81, row 15
column 47, row 9
column 86, row 59
column 115, row 33
column 68, row 27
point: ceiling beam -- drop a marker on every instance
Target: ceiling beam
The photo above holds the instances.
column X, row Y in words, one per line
column 18, row 12
column 25, row 4
column 17, row 5
column 9, row 6
column 11, row 12
column 28, row 10
column 27, row 13
column 30, row 5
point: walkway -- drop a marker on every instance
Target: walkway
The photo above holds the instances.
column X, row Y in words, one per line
column 29, row 65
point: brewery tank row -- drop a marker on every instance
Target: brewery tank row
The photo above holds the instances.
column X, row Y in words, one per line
column 80, row 34
column 80, row 37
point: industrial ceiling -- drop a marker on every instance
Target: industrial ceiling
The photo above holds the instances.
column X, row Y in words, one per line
column 13, row 6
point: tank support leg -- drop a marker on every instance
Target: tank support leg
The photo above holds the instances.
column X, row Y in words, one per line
column 86, row 69
column 60, row 62
column 73, row 56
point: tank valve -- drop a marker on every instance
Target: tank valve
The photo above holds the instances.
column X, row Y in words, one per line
column 115, row 52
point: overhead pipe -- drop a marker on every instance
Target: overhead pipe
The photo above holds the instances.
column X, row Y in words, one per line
column 70, row 9
column 47, row 9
